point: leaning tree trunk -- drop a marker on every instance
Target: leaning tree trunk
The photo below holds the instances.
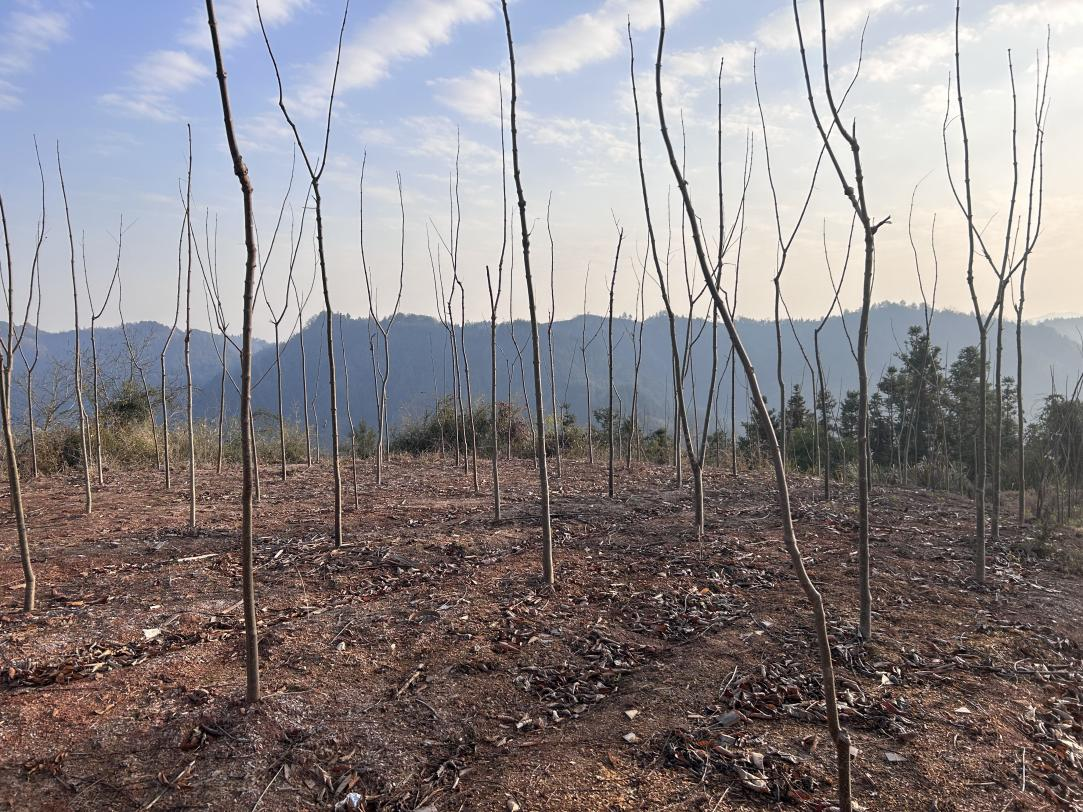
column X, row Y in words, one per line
column 838, row 734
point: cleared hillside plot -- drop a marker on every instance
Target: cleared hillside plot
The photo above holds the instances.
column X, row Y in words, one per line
column 424, row 665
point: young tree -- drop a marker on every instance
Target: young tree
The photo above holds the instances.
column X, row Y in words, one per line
column 31, row 364
column 240, row 169
column 277, row 315
column 164, row 393
column 549, row 335
column 494, row 303
column 315, row 173
column 584, row 345
column 1037, row 158
column 187, row 351
column 88, row 497
column 853, row 185
column 838, row 735
column 639, row 322
column 823, row 403
column 539, row 408
column 1003, row 270
column 136, row 366
column 301, row 305
column 609, row 417
column 349, row 416
column 374, row 320
column 95, row 377
column 518, row 348
column 213, row 299
column 8, row 347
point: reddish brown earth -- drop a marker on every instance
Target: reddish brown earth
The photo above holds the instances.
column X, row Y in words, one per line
column 423, row 666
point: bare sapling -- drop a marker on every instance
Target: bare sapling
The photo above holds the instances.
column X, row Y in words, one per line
column 30, row 364
column 240, row 169
column 609, row 416
column 213, row 299
column 301, row 305
column 135, row 367
column 383, row 371
column 1020, row 422
column 494, row 304
column 928, row 309
column 315, row 169
column 95, row 314
column 1003, row 270
column 839, row 736
column 447, row 321
column 822, row 404
column 539, row 408
column 9, row 345
column 188, row 388
column 164, row 387
column 639, row 322
column 349, row 416
column 553, row 407
column 278, row 314
column 519, row 350
column 695, row 444
column 584, row 345
column 88, row 496
column 853, row 184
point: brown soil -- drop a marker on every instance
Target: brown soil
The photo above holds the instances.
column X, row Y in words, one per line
column 424, row 666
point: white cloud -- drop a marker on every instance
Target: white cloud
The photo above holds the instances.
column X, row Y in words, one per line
column 581, row 40
column 844, row 17
column 1059, row 14
column 593, row 36
column 237, row 19
column 475, row 95
column 29, row 30
column 162, row 74
column 408, row 29
column 154, row 81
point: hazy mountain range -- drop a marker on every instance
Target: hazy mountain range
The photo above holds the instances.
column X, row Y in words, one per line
column 421, row 365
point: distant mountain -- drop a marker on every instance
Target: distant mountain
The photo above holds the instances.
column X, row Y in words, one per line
column 421, row 364
column 1071, row 327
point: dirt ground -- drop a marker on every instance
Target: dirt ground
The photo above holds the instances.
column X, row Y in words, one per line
column 423, row 666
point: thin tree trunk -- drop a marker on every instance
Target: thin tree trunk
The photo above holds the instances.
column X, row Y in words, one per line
column 88, row 501
column 187, row 356
column 838, row 735
column 524, row 230
column 252, row 693
column 12, row 459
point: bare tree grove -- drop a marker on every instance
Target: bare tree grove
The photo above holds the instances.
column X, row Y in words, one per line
column 786, row 514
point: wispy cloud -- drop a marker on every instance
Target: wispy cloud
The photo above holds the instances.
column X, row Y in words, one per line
column 155, row 81
column 407, row 29
column 237, row 20
column 475, row 95
column 844, row 17
column 1058, row 14
column 584, row 39
column 160, row 76
column 594, row 35
column 28, row 30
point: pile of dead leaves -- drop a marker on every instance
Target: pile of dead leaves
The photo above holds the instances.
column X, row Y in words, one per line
column 762, row 771
column 95, row 659
column 678, row 617
column 1057, row 730
column 569, row 688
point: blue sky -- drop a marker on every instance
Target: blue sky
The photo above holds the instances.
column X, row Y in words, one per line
column 116, row 82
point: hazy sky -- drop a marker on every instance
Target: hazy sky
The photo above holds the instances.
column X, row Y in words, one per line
column 116, row 82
